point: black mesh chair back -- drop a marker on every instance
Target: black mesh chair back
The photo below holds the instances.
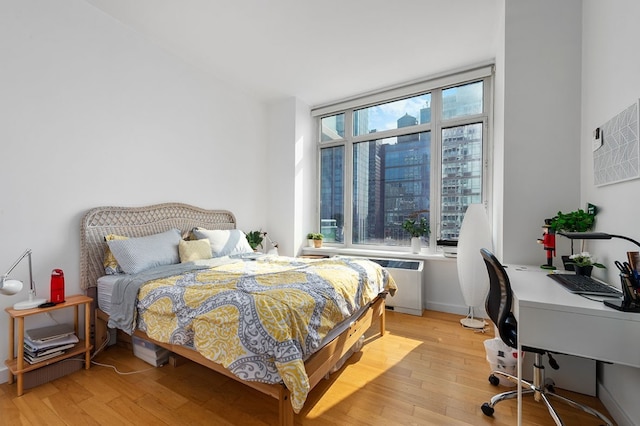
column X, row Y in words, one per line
column 499, row 300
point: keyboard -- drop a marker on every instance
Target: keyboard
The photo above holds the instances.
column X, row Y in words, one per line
column 580, row 284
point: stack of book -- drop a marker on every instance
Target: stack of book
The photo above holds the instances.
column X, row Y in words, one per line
column 150, row 352
column 41, row 344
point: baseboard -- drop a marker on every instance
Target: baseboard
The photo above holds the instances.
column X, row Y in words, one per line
column 619, row 416
column 450, row 309
column 4, row 375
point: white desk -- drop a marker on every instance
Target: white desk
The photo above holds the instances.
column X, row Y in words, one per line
column 549, row 317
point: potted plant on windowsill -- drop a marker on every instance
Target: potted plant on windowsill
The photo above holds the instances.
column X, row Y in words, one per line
column 310, row 239
column 583, row 263
column 418, row 228
column 317, row 240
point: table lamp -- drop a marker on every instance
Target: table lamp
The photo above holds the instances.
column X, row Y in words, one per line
column 10, row 287
column 274, row 245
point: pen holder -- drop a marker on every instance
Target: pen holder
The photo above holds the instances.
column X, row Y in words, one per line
column 629, row 302
column 629, row 285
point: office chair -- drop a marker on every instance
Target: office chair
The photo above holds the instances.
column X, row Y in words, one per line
column 498, row 307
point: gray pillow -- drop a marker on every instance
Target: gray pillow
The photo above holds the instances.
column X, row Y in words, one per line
column 138, row 254
column 224, row 242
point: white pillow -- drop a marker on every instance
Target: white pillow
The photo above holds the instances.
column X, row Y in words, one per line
column 224, row 242
column 138, row 254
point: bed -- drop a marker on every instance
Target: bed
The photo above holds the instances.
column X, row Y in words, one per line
column 280, row 351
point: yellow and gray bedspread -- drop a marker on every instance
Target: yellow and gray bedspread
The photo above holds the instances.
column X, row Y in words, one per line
column 260, row 319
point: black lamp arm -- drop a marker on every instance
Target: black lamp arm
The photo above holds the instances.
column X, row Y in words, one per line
column 627, row 238
column 595, row 236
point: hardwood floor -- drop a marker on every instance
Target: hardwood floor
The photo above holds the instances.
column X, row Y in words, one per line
column 425, row 371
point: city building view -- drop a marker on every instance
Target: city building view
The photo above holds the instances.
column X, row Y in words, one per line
column 391, row 177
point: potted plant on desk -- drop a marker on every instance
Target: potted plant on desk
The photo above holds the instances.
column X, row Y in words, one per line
column 575, row 221
column 583, row 263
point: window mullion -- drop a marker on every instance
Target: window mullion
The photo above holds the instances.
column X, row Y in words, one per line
column 348, row 180
column 436, row 167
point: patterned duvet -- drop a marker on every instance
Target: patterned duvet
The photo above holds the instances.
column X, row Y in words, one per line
column 260, row 319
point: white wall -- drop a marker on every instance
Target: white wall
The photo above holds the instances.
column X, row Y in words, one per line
column 292, row 172
column 541, row 121
column 92, row 114
column 611, row 83
column 497, row 154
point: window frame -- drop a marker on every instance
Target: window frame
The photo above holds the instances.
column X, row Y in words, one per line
column 436, row 125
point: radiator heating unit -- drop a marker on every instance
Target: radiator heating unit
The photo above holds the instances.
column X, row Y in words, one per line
column 408, row 276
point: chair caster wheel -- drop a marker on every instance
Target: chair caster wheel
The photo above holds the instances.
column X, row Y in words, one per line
column 487, row 409
column 494, row 380
column 549, row 384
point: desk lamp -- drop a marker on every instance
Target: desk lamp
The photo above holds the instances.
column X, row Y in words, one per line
column 595, row 236
column 628, row 303
column 10, row 287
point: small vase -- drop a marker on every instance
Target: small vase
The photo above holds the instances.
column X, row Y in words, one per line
column 583, row 270
column 416, row 244
column 317, row 243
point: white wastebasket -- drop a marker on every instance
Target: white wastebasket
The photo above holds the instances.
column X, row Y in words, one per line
column 502, row 357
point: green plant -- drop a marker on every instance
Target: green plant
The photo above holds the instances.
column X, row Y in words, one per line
column 255, row 239
column 310, row 236
column 584, row 259
column 575, row 221
column 317, row 236
column 415, row 227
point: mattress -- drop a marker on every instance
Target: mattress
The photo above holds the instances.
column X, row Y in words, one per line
column 105, row 288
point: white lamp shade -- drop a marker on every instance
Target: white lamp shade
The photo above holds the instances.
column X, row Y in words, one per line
column 10, row 287
column 472, row 272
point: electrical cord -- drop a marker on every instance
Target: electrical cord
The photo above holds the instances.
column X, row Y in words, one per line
column 103, row 345
column 100, row 349
column 122, row 373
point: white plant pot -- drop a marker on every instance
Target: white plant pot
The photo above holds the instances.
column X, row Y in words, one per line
column 310, row 243
column 416, row 244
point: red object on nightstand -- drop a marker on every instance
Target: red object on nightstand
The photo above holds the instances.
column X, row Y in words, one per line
column 57, row 286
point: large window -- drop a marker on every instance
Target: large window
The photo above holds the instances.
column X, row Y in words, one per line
column 418, row 150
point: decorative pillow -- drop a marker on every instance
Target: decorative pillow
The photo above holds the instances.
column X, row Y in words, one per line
column 193, row 250
column 110, row 263
column 138, row 254
column 224, row 242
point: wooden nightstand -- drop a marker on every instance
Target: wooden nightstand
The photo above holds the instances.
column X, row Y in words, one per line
column 16, row 363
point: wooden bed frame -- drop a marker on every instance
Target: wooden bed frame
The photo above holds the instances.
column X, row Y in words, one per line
column 142, row 221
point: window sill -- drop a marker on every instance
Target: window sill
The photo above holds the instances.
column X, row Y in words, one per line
column 332, row 251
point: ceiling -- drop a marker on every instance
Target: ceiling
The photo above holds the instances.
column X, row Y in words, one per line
column 316, row 51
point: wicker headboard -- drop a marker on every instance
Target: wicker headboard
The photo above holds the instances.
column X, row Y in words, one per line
column 138, row 222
